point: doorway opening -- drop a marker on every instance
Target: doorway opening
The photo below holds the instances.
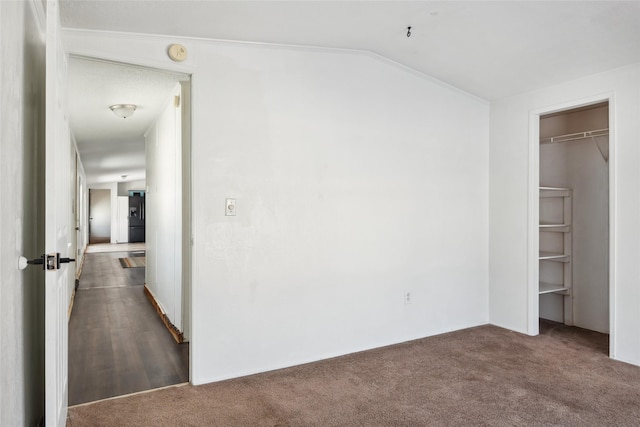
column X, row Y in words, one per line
column 136, row 283
column 574, row 222
column 99, row 216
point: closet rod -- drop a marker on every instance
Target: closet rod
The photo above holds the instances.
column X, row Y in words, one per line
column 574, row 136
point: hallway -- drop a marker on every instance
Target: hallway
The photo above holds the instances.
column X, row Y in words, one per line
column 117, row 342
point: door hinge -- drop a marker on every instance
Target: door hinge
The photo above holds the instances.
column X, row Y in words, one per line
column 49, row 262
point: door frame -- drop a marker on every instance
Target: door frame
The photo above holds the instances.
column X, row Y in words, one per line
column 534, row 213
column 187, row 246
column 90, row 215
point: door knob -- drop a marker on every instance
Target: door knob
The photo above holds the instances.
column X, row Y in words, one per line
column 48, row 261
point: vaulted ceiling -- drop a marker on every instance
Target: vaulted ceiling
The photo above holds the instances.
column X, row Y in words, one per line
column 489, row 49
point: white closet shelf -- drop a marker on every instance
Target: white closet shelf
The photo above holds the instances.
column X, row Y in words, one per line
column 552, row 256
column 561, row 228
column 548, row 288
column 574, row 136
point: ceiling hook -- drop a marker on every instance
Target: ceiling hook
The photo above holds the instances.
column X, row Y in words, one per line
column 408, row 31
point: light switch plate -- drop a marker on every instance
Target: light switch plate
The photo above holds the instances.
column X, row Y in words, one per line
column 230, row 207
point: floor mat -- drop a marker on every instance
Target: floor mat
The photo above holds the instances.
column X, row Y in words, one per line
column 138, row 261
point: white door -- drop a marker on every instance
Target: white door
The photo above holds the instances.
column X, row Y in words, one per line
column 57, row 223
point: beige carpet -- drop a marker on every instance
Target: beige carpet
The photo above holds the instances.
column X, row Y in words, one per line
column 484, row 376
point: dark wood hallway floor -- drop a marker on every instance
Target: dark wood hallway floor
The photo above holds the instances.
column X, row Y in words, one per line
column 117, row 343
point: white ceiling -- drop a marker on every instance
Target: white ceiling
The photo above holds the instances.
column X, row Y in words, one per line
column 110, row 146
column 489, row 49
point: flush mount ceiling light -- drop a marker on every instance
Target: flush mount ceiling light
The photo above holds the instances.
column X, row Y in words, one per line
column 123, row 110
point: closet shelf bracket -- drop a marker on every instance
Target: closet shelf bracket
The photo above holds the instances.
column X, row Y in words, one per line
column 604, row 155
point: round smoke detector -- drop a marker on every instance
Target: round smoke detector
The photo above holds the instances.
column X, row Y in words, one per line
column 177, row 52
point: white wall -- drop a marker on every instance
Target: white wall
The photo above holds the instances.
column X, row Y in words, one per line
column 81, row 209
column 356, row 181
column 510, row 303
column 78, row 221
column 123, row 219
column 163, row 147
column 21, row 220
column 186, row 208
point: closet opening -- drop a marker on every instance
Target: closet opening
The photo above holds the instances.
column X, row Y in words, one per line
column 573, row 263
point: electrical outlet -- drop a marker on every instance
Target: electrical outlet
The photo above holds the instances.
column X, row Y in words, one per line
column 407, row 297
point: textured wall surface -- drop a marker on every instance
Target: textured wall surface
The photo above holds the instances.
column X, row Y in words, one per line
column 357, row 181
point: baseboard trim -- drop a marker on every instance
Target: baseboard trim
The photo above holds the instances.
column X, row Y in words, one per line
column 175, row 332
column 73, row 298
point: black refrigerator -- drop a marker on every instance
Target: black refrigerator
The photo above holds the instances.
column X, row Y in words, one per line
column 136, row 218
